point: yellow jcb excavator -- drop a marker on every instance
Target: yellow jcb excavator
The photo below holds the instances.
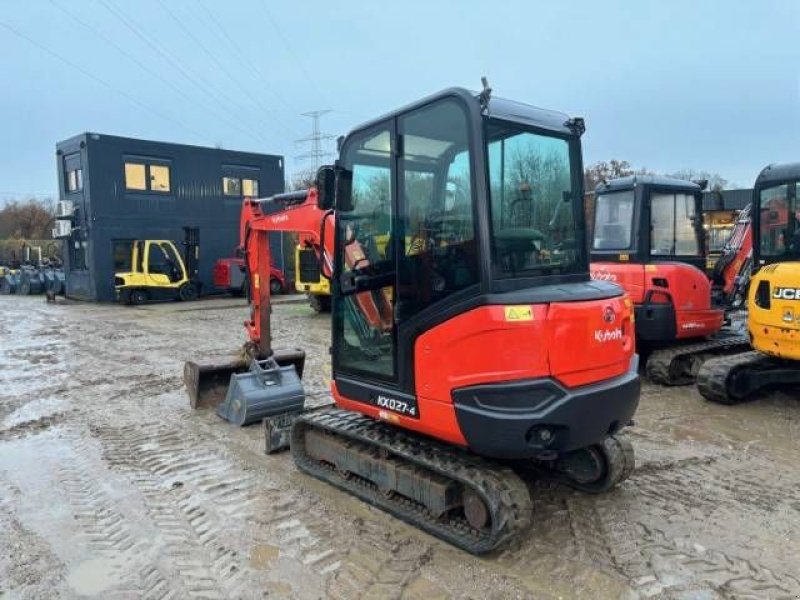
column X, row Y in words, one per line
column 773, row 298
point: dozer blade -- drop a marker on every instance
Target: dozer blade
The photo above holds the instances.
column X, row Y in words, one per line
column 208, row 384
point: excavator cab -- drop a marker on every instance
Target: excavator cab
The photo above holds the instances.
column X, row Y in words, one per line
column 648, row 237
column 646, row 219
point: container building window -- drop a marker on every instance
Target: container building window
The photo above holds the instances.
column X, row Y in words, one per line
column 159, row 178
column 135, row 177
column 75, row 180
column 231, row 186
column 250, row 188
column 146, row 177
column 236, row 186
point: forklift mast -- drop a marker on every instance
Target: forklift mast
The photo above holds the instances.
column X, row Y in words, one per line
column 191, row 252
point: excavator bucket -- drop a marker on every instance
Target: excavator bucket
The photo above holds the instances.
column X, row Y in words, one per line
column 266, row 390
column 207, row 385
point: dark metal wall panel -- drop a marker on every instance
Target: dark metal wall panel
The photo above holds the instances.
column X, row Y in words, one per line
column 195, row 199
column 727, row 199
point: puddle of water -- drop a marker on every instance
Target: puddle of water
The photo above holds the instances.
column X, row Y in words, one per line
column 93, row 576
column 262, row 555
column 36, row 409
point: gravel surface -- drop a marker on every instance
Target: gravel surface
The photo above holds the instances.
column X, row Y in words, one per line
column 111, row 487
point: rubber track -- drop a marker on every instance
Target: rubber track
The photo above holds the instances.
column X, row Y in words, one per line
column 712, row 380
column 662, row 366
column 506, row 495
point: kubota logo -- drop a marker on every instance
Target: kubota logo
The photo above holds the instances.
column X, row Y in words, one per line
column 782, row 293
column 607, row 335
column 603, row 276
column 609, row 315
column 279, row 218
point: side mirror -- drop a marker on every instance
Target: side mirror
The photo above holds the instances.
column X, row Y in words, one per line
column 326, row 187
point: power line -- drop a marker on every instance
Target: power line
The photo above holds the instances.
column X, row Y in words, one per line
column 100, row 81
column 152, row 72
column 198, row 83
column 219, row 65
column 289, row 48
column 317, row 153
column 245, row 56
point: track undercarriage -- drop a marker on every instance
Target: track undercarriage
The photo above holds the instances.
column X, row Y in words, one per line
column 680, row 365
column 470, row 502
column 734, row 379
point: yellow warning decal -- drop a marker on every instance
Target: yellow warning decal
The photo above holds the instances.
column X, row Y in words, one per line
column 518, row 313
column 650, row 268
column 624, row 257
column 256, row 281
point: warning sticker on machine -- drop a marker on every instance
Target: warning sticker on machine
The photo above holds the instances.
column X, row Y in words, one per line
column 518, row 313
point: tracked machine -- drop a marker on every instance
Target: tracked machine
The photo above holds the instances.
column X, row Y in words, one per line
column 773, row 299
column 649, row 239
column 467, row 336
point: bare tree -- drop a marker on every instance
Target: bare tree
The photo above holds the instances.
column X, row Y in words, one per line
column 716, row 182
column 603, row 171
column 28, row 219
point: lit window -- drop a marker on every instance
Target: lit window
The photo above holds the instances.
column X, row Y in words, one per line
column 134, row 177
column 75, row 180
column 159, row 178
column 250, row 188
column 232, row 186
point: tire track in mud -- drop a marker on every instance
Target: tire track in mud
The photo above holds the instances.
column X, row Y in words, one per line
column 610, row 532
column 185, row 502
column 108, row 531
column 31, row 427
column 380, row 564
column 195, row 496
column 660, row 563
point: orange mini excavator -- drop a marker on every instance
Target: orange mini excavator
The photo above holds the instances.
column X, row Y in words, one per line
column 649, row 239
column 469, row 343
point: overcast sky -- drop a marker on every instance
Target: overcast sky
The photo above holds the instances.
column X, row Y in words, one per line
column 666, row 85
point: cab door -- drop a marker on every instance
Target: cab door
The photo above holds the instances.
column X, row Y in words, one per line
column 406, row 249
column 365, row 283
column 156, row 264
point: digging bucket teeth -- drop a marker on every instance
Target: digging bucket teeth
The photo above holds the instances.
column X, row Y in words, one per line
column 207, row 385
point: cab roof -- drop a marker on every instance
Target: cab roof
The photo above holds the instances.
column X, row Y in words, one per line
column 631, row 181
column 499, row 108
column 778, row 173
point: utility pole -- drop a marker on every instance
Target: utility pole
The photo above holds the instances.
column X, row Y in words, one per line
column 317, row 154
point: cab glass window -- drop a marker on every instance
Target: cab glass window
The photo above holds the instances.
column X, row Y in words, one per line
column 532, row 205
column 780, row 220
column 439, row 254
column 613, row 221
column 672, row 225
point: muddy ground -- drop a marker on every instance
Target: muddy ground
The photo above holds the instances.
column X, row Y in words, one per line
column 110, row 487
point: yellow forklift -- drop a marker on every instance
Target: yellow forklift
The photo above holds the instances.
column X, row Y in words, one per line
column 159, row 272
